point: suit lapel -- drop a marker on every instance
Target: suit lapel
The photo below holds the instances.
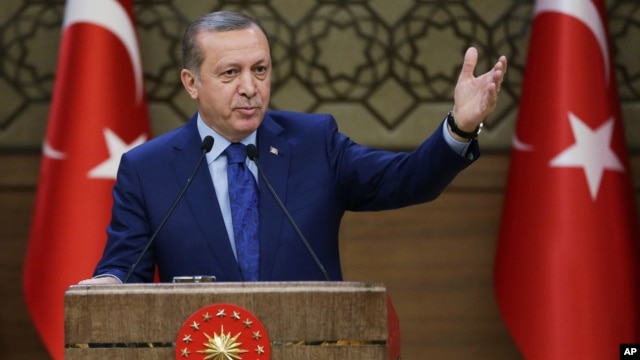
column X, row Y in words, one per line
column 275, row 158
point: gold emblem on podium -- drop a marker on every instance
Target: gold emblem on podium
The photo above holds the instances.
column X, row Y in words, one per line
column 223, row 332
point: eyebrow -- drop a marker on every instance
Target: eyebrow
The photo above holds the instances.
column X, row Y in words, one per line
column 261, row 61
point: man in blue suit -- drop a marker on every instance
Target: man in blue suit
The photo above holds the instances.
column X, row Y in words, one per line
column 316, row 171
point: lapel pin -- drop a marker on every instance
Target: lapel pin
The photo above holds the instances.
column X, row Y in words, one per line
column 273, row 150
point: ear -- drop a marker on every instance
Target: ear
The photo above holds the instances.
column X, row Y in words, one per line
column 189, row 82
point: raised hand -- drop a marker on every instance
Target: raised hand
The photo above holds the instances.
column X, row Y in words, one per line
column 476, row 97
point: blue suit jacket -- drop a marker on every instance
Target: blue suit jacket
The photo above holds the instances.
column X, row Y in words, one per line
column 318, row 173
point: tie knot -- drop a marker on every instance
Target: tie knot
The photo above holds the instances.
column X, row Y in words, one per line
column 236, row 153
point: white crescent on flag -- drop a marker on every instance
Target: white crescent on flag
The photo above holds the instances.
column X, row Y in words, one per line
column 584, row 11
column 52, row 153
column 587, row 13
column 592, row 150
column 110, row 15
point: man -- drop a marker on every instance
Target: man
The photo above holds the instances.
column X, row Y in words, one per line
column 318, row 172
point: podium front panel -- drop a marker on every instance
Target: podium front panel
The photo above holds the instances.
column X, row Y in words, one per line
column 304, row 320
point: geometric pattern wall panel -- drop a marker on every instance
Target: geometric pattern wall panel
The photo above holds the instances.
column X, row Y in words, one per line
column 385, row 69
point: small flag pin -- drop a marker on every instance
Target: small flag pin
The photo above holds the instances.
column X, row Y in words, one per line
column 273, row 150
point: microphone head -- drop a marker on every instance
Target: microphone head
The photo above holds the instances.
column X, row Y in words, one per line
column 252, row 152
column 207, row 144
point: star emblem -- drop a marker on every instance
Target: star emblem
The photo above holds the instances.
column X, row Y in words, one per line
column 226, row 336
column 206, row 317
column 116, row 147
column 592, row 152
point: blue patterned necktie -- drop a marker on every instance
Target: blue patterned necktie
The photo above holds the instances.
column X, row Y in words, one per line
column 243, row 198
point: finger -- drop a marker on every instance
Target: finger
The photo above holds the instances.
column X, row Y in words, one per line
column 503, row 61
column 492, row 90
column 469, row 64
column 499, row 70
column 490, row 100
column 99, row 281
column 498, row 76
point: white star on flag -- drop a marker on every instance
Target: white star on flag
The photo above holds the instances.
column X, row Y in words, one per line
column 109, row 168
column 592, row 152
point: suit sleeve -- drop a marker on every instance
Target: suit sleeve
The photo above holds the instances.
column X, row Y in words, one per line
column 128, row 232
column 372, row 179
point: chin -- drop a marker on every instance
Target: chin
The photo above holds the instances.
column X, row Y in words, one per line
column 247, row 126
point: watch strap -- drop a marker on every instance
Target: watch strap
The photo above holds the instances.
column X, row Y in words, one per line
column 456, row 130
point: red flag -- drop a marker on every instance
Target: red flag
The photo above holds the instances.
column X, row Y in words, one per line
column 98, row 111
column 566, row 280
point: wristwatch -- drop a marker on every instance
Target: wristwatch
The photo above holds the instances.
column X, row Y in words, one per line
column 456, row 130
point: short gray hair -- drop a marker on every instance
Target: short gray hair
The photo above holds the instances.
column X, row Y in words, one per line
column 219, row 21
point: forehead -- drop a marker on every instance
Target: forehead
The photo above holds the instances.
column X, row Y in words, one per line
column 244, row 42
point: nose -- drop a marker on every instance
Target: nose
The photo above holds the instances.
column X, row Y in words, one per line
column 247, row 86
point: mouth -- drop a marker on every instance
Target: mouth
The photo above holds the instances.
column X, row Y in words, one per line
column 248, row 110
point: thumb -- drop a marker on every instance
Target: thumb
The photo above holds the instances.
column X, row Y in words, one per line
column 469, row 64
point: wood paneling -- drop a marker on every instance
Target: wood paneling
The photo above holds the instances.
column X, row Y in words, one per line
column 435, row 259
column 18, row 177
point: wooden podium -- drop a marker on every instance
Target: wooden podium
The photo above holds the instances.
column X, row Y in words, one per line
column 303, row 320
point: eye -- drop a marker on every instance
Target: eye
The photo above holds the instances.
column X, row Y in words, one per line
column 230, row 72
column 261, row 71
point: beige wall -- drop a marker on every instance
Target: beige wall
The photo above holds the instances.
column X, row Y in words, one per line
column 437, row 271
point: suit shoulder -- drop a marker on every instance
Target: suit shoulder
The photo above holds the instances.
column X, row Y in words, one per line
column 292, row 122
column 293, row 119
column 159, row 146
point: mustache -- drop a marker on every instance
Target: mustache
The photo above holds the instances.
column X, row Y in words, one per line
column 250, row 103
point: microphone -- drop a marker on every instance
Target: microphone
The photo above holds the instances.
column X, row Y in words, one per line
column 206, row 146
column 252, row 153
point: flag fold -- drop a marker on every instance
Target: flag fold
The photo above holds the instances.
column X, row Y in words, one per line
column 98, row 111
column 566, row 268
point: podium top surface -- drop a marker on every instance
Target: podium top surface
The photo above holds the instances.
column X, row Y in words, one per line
column 290, row 311
column 230, row 287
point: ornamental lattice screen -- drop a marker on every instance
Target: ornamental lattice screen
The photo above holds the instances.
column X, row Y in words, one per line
column 386, row 69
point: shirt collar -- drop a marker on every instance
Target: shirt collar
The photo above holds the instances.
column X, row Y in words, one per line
column 220, row 143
